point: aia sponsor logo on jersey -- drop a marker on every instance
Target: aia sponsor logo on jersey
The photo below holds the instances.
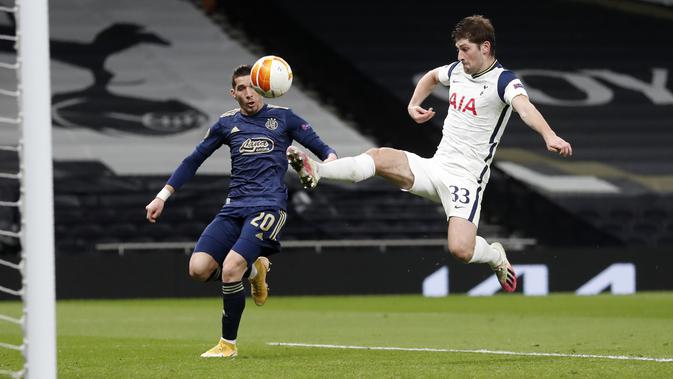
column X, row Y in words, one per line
column 463, row 104
column 257, row 145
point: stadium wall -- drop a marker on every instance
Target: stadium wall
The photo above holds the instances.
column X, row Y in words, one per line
column 368, row 271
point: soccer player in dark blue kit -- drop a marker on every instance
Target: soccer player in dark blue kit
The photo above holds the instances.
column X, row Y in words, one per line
column 248, row 227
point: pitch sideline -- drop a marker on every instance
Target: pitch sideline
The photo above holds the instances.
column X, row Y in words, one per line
column 476, row 351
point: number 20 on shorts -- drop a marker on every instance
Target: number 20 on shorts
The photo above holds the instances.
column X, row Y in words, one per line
column 266, row 220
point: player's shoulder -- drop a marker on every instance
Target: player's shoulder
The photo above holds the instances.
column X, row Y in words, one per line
column 277, row 108
column 230, row 113
column 503, row 75
column 496, row 74
column 507, row 79
column 500, row 70
column 278, row 112
column 226, row 120
column 453, row 68
column 444, row 73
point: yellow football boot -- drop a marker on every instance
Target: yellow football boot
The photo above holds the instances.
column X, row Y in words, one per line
column 223, row 349
column 258, row 287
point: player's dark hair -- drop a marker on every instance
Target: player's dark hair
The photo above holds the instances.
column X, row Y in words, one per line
column 476, row 29
column 239, row 71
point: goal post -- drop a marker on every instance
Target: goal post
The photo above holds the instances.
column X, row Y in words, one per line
column 37, row 209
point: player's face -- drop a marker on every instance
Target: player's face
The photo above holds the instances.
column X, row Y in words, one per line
column 248, row 99
column 472, row 56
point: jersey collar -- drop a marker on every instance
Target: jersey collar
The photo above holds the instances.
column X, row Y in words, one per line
column 491, row 67
column 262, row 109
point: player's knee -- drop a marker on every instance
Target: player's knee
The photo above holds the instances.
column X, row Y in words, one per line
column 392, row 164
column 198, row 272
column 374, row 152
column 202, row 267
column 379, row 153
column 233, row 270
column 461, row 250
column 233, row 274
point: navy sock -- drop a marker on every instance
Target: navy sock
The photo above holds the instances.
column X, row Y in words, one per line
column 216, row 275
column 233, row 299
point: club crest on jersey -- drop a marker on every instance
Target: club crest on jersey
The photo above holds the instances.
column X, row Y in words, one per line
column 256, row 145
column 271, row 123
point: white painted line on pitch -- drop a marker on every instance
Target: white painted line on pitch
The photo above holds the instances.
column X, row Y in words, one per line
column 478, row 351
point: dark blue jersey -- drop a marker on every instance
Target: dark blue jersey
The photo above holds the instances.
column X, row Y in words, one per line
column 258, row 162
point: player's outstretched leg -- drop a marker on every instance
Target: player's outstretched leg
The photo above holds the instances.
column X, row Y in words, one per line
column 223, row 349
column 258, row 287
column 504, row 271
column 305, row 167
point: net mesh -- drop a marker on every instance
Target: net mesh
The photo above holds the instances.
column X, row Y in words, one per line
column 11, row 187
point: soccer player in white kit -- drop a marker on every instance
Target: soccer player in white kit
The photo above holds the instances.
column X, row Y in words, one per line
column 482, row 95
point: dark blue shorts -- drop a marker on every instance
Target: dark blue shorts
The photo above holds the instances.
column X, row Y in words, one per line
column 251, row 232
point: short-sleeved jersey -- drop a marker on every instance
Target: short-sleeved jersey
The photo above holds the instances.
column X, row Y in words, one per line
column 257, row 145
column 479, row 108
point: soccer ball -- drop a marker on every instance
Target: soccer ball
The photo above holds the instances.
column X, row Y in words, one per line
column 271, row 76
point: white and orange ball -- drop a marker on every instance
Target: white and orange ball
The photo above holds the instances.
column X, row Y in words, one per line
column 271, row 76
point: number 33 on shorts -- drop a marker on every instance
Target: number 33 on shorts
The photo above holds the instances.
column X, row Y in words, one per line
column 269, row 223
column 460, row 195
column 463, row 201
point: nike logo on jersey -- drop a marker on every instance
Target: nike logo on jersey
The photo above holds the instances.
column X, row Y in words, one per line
column 257, row 145
column 463, row 105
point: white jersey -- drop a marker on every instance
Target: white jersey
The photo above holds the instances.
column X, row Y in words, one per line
column 479, row 108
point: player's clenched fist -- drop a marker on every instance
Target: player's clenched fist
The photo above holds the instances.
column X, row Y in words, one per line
column 419, row 114
column 154, row 209
column 557, row 144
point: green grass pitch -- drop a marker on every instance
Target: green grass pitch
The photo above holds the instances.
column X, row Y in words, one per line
column 163, row 338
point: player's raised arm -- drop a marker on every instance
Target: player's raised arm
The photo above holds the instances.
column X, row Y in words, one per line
column 532, row 117
column 424, row 88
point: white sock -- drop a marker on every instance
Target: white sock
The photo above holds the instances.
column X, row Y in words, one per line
column 253, row 272
column 233, row 342
column 484, row 253
column 351, row 169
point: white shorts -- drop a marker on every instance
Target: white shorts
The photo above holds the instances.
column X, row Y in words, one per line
column 460, row 195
